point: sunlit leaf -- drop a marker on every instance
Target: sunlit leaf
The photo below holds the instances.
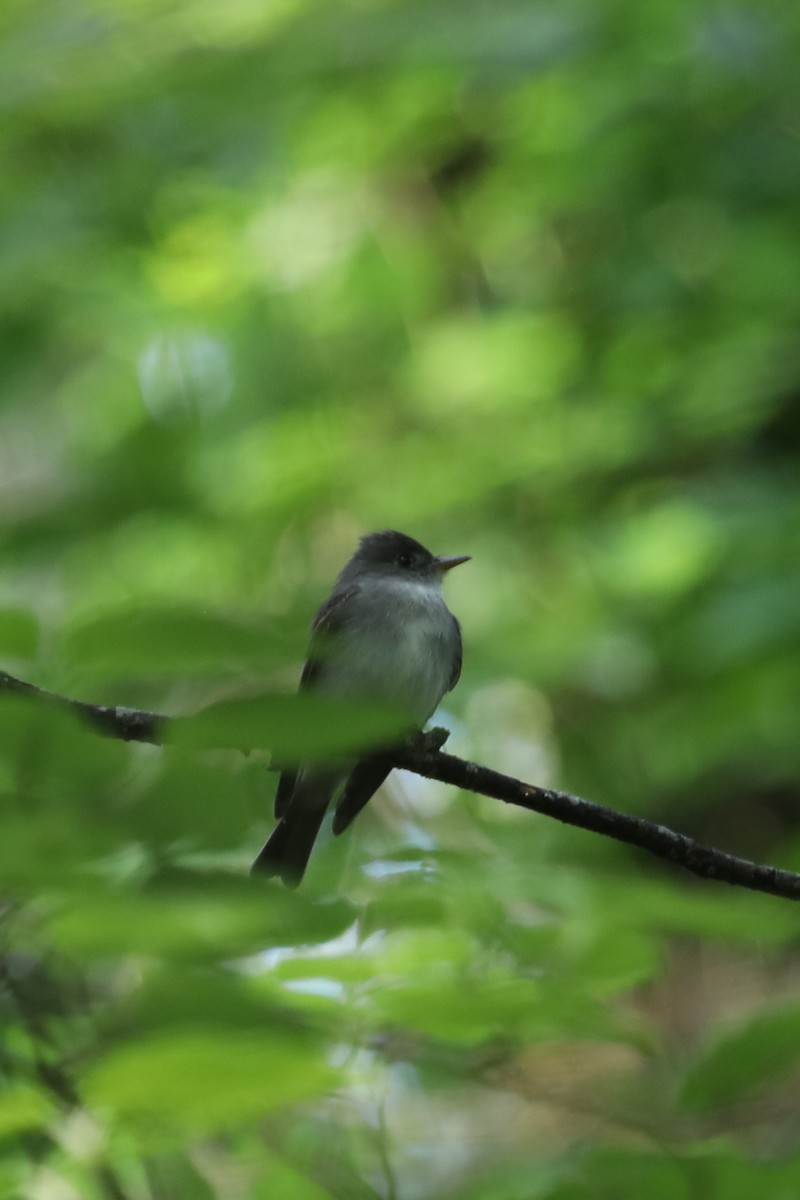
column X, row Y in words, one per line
column 23, row 1107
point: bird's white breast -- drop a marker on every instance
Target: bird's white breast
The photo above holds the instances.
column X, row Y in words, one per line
column 399, row 648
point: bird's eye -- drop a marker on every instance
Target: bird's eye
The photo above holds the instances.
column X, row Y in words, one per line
column 403, row 560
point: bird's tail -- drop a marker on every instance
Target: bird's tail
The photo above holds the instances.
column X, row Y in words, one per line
column 288, row 848
column 361, row 786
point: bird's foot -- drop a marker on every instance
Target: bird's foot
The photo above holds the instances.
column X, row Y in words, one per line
column 428, row 741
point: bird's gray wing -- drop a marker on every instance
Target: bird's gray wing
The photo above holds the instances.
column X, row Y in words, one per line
column 458, row 653
column 327, row 624
column 330, row 620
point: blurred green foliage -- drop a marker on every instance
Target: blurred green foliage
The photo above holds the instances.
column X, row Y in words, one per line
column 520, row 279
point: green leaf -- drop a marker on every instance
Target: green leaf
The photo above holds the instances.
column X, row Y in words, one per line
column 182, row 926
column 454, row 1008
column 760, row 1053
column 199, row 919
column 158, row 642
column 172, row 1173
column 615, row 961
column 23, row 1107
column 179, row 996
column 203, row 1082
column 293, row 728
column 651, row 905
column 19, row 633
column 278, row 1180
column 611, row 1173
column 58, row 789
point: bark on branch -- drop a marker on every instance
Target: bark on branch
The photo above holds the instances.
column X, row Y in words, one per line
column 424, row 757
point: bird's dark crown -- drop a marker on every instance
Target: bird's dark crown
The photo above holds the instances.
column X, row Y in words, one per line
column 390, row 547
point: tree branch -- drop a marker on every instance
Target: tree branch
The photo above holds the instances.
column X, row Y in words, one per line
column 130, row 724
column 656, row 839
column 423, row 756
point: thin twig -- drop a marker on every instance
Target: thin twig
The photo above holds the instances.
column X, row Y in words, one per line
column 423, row 757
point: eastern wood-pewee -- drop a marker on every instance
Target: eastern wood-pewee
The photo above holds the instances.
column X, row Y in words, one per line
column 384, row 634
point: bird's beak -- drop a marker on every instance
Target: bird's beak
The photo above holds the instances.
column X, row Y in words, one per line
column 447, row 564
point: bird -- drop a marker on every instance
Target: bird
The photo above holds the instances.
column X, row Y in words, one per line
column 383, row 634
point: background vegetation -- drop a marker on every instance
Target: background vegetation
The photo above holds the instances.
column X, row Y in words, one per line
column 520, row 279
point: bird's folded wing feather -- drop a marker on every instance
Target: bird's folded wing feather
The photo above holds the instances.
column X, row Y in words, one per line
column 328, row 622
column 455, row 674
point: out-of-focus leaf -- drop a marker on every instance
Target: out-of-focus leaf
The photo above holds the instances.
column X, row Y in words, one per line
column 19, row 633
column 611, row 1172
column 723, row 1175
column 278, row 1180
column 651, row 905
column 204, row 920
column 731, row 1175
column 456, row 1009
column 764, row 1051
column 172, row 1173
column 23, row 1107
column 61, row 786
column 176, row 996
column 293, row 728
column 12, row 1167
column 404, row 903
column 205, row 1081
column 175, row 642
column 51, row 747
column 184, row 927
column 410, row 952
column 618, row 959
column 194, row 801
